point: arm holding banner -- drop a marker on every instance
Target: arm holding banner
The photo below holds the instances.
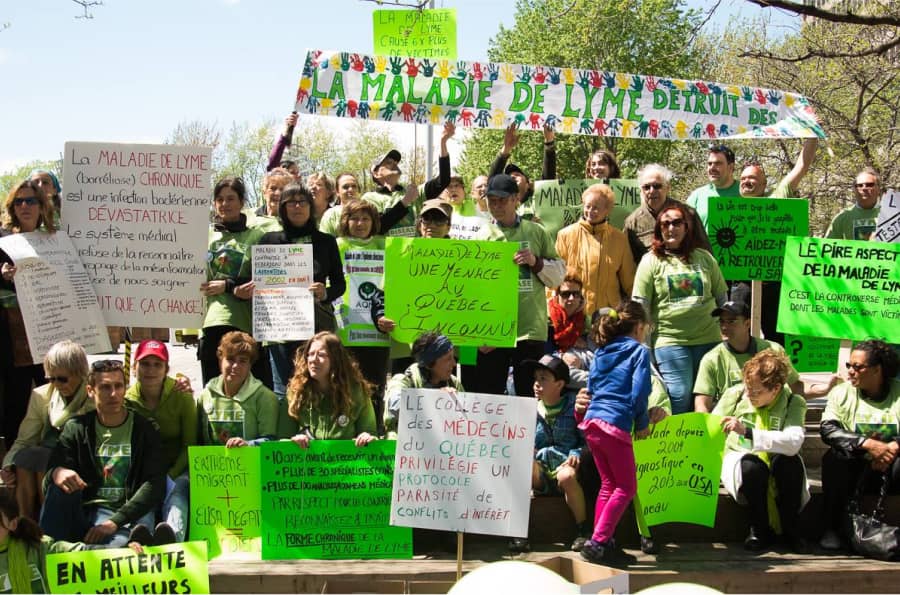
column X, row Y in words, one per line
column 804, row 161
column 548, row 169
column 282, row 142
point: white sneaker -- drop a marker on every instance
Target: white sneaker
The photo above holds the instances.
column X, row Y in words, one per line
column 830, row 540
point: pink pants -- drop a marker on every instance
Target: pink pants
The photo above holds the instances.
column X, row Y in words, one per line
column 614, row 458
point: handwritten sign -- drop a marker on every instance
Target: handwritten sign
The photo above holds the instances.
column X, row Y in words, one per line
column 678, row 468
column 331, row 501
column 55, row 295
column 135, row 214
column 464, row 289
column 463, row 462
column 173, row 568
column 415, row 33
column 843, row 289
column 812, row 354
column 364, row 272
column 748, row 234
column 466, row 227
column 225, row 500
column 887, row 227
column 572, row 101
column 558, row 202
column 283, row 306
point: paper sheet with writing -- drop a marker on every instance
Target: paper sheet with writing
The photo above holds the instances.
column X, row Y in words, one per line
column 283, row 307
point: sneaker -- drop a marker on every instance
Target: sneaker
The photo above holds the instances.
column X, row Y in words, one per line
column 164, row 534
column 519, row 545
column 579, row 543
column 616, row 556
column 140, row 534
column 593, row 552
column 648, row 545
column 830, row 540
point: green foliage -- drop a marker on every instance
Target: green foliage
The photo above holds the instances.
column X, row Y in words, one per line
column 246, row 151
column 14, row 176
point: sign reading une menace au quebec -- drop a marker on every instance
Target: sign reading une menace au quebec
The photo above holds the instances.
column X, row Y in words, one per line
column 843, row 289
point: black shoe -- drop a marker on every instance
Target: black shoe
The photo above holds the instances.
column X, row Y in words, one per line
column 756, row 541
column 648, row 545
column 615, row 556
column 141, row 534
column 578, row 543
column 164, row 534
column 518, row 545
column 593, row 552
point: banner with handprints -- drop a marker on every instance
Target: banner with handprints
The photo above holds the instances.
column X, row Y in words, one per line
column 569, row 100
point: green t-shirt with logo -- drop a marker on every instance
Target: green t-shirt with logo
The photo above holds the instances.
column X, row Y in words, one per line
column 699, row 198
column 863, row 416
column 112, row 452
column 406, row 227
column 229, row 257
column 252, row 413
column 681, row 297
column 854, row 223
column 785, row 411
column 721, row 367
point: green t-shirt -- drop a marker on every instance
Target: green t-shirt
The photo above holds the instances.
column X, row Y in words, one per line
column 782, row 190
column 532, row 323
column 229, row 257
column 323, row 424
column 786, row 411
column 113, row 455
column 858, row 414
column 721, row 367
column 406, row 227
column 331, row 220
column 252, row 413
column 854, row 223
column 699, row 198
column 176, row 418
column 681, row 297
column 363, row 262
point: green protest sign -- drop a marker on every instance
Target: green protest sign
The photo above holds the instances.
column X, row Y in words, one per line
column 812, row 354
column 173, row 568
column 415, row 33
column 330, row 501
column 465, row 289
column 225, row 500
column 748, row 234
column 678, row 468
column 843, row 289
column 557, row 203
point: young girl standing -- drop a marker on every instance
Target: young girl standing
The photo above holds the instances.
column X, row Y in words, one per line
column 619, row 384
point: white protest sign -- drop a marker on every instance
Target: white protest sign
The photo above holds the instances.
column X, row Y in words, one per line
column 364, row 270
column 466, row 227
column 138, row 215
column 55, row 295
column 463, row 462
column 887, row 228
column 283, row 307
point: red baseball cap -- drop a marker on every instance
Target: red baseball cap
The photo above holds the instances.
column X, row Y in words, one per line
column 151, row 347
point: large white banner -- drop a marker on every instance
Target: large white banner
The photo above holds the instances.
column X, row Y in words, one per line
column 283, row 307
column 138, row 215
column 463, row 462
column 55, row 295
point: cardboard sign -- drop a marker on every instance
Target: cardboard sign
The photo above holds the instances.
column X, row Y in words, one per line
column 572, row 101
column 464, row 462
column 748, row 234
column 466, row 290
column 283, row 306
column 137, row 215
column 843, row 289
column 54, row 293
column 812, row 354
column 173, row 568
column 331, row 501
column 225, row 500
column 678, row 469
column 415, row 33
column 558, row 202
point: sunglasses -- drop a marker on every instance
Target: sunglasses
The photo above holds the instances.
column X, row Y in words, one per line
column 30, row 201
column 568, row 294
column 655, row 186
column 297, row 203
column 106, row 365
column 59, row 379
column 672, row 223
column 858, row 185
column 856, row 367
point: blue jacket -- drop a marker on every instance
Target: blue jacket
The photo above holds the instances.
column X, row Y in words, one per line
column 619, row 384
column 554, row 444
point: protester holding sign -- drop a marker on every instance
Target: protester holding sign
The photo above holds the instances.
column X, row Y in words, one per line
column 299, row 227
column 539, row 267
column 598, row 252
column 104, row 475
column 720, row 171
column 680, row 285
column 50, row 407
column 158, row 397
column 26, row 209
column 228, row 275
column 434, row 365
column 328, row 397
column 858, row 222
column 240, row 409
column 860, row 425
column 762, row 468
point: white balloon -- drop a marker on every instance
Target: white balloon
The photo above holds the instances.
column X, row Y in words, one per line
column 510, row 576
column 678, row 589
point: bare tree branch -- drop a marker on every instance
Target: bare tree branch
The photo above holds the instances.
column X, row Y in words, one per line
column 86, row 5
column 701, row 24
column 876, row 51
column 810, row 10
column 410, row 4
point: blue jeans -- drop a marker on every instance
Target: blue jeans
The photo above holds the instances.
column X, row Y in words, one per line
column 176, row 505
column 63, row 517
column 678, row 365
column 281, row 356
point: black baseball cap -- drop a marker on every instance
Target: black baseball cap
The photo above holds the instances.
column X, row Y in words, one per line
column 392, row 154
column 554, row 365
column 737, row 308
column 502, row 186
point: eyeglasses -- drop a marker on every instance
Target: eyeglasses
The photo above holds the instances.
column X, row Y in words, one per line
column 858, row 185
column 856, row 367
column 297, row 203
column 568, row 294
column 59, row 379
column 672, row 223
column 435, row 220
column 655, row 186
column 30, row 201
column 106, row 365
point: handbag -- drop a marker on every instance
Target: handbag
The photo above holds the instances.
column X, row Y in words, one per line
column 869, row 535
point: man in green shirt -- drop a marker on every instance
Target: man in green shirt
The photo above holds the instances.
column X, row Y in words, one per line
column 858, row 221
column 721, row 367
column 720, row 171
